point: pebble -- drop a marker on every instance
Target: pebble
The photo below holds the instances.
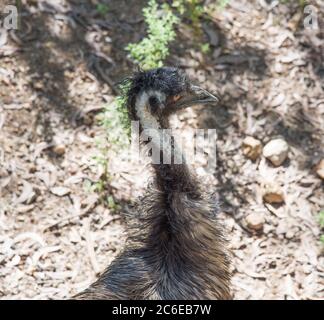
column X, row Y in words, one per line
column 290, row 234
column 276, row 151
column 59, row 149
column 278, row 100
column 73, row 168
column 252, row 148
column 255, row 221
column 272, row 193
column 60, row 191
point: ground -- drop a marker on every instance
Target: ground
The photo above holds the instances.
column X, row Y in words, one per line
column 58, row 71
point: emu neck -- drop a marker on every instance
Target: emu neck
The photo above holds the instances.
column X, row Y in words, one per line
column 168, row 160
column 172, row 173
column 181, row 240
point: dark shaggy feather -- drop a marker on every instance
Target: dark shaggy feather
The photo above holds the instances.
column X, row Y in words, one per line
column 176, row 248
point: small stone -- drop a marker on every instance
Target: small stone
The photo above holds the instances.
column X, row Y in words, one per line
column 251, row 148
column 320, row 169
column 272, row 197
column 290, row 234
column 255, row 221
column 272, row 193
column 276, row 151
column 59, row 149
column 278, row 67
column 73, row 168
column 278, row 100
column 38, row 85
column 60, row 191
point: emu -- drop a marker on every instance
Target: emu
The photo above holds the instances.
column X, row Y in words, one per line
column 176, row 247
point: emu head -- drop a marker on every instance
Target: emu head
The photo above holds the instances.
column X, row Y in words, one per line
column 157, row 93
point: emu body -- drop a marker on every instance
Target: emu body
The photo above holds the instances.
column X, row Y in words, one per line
column 176, row 247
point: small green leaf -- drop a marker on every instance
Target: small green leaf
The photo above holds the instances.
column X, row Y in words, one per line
column 102, row 9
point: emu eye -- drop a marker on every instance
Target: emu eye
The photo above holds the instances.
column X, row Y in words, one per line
column 176, row 97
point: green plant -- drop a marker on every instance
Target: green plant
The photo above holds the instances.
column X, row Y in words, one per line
column 102, row 8
column 218, row 5
column 116, row 124
column 112, row 205
column 205, row 48
column 221, row 4
column 195, row 10
column 154, row 48
column 115, row 120
column 179, row 5
column 192, row 10
column 150, row 52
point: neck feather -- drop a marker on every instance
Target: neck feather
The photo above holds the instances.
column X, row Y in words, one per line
column 177, row 230
column 168, row 160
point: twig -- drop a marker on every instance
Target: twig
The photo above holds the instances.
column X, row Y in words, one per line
column 108, row 221
column 90, row 247
column 78, row 215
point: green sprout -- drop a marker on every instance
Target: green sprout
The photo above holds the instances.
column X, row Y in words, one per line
column 102, row 9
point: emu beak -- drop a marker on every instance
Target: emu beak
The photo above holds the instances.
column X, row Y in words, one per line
column 200, row 95
column 196, row 96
